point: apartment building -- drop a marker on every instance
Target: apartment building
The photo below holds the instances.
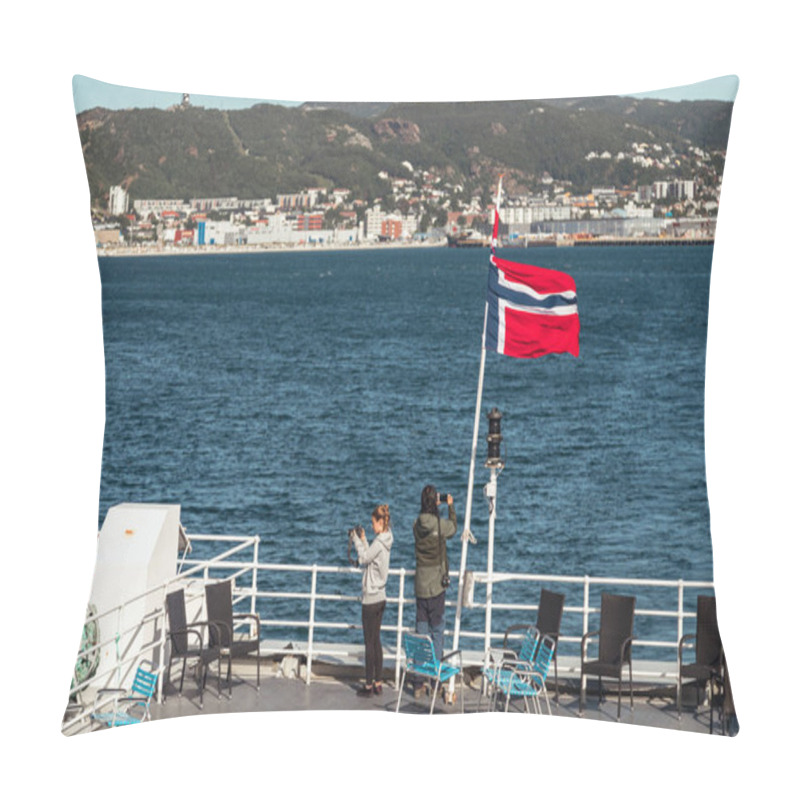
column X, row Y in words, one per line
column 117, row 201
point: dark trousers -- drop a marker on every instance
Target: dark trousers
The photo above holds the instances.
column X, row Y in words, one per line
column 430, row 620
column 371, row 617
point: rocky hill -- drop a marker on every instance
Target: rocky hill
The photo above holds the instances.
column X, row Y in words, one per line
column 188, row 152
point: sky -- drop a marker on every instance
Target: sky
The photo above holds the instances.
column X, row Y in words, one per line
column 90, row 93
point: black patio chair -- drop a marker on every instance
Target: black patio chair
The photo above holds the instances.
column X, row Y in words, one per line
column 551, row 609
column 728, row 720
column 219, row 608
column 187, row 641
column 707, row 668
column 548, row 623
column 615, row 639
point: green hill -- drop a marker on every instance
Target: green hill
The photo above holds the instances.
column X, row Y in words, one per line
column 187, row 152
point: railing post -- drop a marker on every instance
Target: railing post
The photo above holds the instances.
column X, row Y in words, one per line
column 680, row 631
column 255, row 583
column 585, row 627
column 399, row 642
column 585, row 604
column 163, row 645
column 311, row 612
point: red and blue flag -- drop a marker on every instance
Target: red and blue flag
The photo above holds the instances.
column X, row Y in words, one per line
column 531, row 311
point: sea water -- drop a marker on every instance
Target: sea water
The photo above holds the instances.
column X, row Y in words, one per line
column 285, row 394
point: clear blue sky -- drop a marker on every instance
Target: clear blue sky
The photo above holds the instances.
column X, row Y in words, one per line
column 89, row 93
column 715, row 89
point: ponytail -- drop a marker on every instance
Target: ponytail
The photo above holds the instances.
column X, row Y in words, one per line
column 381, row 512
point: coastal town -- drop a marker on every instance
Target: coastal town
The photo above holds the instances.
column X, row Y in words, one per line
column 423, row 207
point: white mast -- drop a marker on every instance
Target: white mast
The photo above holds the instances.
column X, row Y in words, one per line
column 466, row 535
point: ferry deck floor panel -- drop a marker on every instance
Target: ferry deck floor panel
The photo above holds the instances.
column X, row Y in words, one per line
column 339, row 694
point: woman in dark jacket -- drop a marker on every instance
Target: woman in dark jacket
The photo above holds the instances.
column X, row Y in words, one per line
column 431, row 578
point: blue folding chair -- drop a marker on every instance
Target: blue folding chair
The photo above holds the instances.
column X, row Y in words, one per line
column 501, row 662
column 420, row 659
column 529, row 680
column 139, row 696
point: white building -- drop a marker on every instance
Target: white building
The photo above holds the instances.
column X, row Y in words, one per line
column 410, row 226
column 373, row 220
column 605, row 194
column 540, row 212
column 684, row 190
column 214, row 203
column 673, row 190
column 224, row 233
column 660, row 190
column 632, row 211
column 145, row 207
column 117, row 201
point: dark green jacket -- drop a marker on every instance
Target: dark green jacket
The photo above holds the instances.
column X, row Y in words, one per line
column 431, row 555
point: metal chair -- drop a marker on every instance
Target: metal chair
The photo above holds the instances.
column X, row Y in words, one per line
column 528, row 679
column 548, row 623
column 707, row 668
column 420, row 659
column 180, row 634
column 219, row 610
column 138, row 697
column 500, row 663
column 615, row 639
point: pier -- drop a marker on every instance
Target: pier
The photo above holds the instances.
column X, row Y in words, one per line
column 656, row 241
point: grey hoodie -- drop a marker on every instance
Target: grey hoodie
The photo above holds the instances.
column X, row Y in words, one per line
column 375, row 561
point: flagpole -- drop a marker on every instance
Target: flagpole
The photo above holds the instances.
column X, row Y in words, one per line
column 466, row 535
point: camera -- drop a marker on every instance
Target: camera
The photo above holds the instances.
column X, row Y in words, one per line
column 445, row 581
column 352, row 534
column 442, row 498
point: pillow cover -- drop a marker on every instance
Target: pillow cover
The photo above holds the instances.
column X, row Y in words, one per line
column 293, row 302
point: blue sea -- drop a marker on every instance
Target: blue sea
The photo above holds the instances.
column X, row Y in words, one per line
column 285, row 394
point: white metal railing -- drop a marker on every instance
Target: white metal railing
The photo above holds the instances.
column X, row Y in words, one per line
column 316, row 599
column 312, row 624
column 126, row 662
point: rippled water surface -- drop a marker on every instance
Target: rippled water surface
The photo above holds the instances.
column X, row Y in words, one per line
column 285, row 394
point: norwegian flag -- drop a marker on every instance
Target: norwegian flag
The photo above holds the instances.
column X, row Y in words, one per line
column 531, row 311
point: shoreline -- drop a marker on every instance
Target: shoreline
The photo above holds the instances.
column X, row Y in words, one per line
column 116, row 251
column 125, row 250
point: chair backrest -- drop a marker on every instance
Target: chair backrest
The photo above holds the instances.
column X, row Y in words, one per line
column 419, row 651
column 530, row 643
column 709, row 643
column 144, row 683
column 219, row 607
column 616, row 625
column 551, row 609
column 176, row 614
column 544, row 655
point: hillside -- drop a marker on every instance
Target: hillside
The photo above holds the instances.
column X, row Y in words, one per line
column 186, row 152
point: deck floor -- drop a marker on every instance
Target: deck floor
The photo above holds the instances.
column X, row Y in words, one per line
column 338, row 693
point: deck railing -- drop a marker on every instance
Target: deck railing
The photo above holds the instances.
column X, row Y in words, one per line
column 145, row 639
column 665, row 602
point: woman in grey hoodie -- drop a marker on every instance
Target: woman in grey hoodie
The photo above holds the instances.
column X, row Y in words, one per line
column 374, row 559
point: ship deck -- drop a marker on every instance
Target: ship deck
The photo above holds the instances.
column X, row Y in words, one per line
column 336, row 678
column 338, row 694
